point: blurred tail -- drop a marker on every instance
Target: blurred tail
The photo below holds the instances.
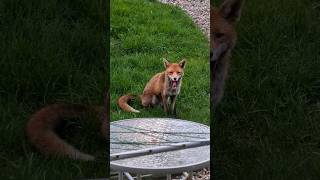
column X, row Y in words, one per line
column 41, row 127
column 123, row 103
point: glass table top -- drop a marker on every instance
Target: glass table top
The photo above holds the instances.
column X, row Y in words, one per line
column 141, row 133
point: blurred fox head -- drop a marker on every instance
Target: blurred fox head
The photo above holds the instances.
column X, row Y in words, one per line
column 223, row 20
column 174, row 71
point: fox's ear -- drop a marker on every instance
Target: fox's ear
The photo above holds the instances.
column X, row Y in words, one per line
column 182, row 63
column 165, row 62
column 231, row 10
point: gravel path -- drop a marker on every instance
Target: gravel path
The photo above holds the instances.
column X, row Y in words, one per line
column 203, row 174
column 199, row 10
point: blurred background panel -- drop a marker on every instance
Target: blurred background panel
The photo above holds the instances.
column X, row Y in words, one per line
column 50, row 51
column 267, row 126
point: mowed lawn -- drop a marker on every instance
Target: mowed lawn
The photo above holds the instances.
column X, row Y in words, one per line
column 50, row 51
column 142, row 33
column 268, row 125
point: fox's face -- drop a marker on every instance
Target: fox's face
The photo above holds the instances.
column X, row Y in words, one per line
column 174, row 71
column 222, row 32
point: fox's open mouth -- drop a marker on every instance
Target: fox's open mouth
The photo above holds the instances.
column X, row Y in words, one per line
column 174, row 85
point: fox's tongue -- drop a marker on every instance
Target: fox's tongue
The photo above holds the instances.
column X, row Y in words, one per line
column 174, row 85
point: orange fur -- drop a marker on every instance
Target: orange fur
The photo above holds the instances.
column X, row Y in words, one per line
column 223, row 39
column 160, row 87
column 41, row 128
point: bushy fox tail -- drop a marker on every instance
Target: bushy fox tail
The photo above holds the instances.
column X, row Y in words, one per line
column 123, row 103
column 41, row 128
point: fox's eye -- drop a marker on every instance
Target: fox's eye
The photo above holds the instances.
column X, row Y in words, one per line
column 170, row 72
column 218, row 35
column 179, row 72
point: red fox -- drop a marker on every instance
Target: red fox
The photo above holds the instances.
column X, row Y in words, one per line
column 223, row 38
column 159, row 89
column 41, row 128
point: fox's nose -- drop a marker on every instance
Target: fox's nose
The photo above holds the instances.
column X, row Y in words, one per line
column 174, row 79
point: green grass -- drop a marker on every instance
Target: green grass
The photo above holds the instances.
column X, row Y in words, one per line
column 268, row 124
column 51, row 51
column 142, row 32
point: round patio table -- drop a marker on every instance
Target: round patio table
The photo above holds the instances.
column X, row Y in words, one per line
column 132, row 135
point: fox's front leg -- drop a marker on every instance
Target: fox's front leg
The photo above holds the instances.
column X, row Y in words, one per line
column 173, row 105
column 165, row 103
